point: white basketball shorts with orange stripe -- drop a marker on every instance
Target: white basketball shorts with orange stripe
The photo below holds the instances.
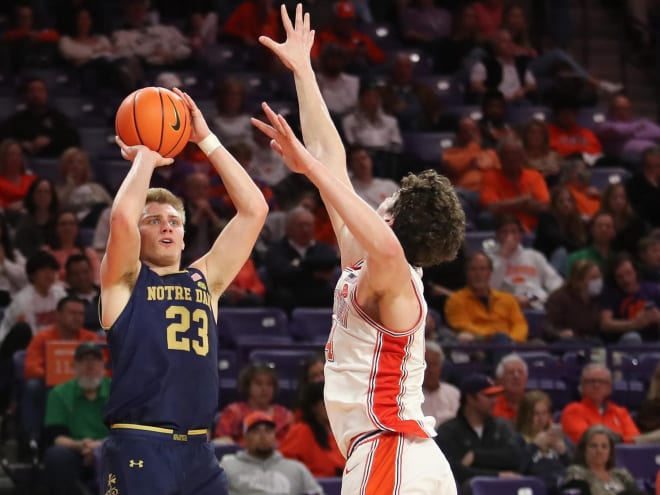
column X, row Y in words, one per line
column 397, row 464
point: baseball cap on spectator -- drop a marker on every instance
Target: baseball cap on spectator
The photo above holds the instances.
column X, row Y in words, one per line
column 478, row 383
column 345, row 10
column 255, row 418
column 88, row 349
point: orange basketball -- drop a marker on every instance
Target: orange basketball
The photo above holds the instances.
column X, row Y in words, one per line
column 156, row 118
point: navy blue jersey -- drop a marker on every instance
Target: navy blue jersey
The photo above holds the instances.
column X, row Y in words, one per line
column 163, row 349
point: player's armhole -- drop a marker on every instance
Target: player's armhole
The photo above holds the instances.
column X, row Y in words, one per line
column 129, row 279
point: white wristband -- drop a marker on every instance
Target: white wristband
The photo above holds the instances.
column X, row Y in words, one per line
column 209, row 144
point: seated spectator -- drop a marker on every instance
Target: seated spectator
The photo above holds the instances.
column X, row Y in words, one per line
column 489, row 16
column 599, row 250
column 361, row 51
column 41, row 129
column 77, row 189
column 568, row 138
column 251, row 19
column 301, row 270
column 67, row 242
column 94, row 56
column 339, row 89
column 231, row 122
column 154, row 43
column 643, row 188
column 514, row 21
column 310, row 440
column 258, row 385
column 28, row 44
column 12, row 266
column 521, row 271
column 546, row 454
column 649, row 256
column 80, row 284
column 504, row 71
column 413, row 103
column 266, row 165
column 68, row 326
column 540, row 156
column 478, row 312
column 463, row 48
column 374, row 190
column 624, row 136
column 368, row 125
column 515, row 189
column 628, row 226
column 630, row 308
column 576, row 177
column 441, row 399
column 74, row 425
column 205, row 217
column 493, row 124
column 475, row 442
column 312, row 370
column 423, row 23
column 15, row 180
column 36, row 225
column 261, row 468
column 596, row 408
column 572, row 311
column 35, row 304
column 594, row 469
column 246, row 290
column 511, row 375
column 561, row 230
column 648, row 413
column 466, row 161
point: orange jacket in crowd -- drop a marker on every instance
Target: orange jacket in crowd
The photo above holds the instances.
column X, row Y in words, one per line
column 577, row 417
column 300, row 444
column 577, row 140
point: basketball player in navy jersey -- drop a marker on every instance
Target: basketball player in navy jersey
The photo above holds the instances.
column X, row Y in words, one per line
column 375, row 351
column 161, row 325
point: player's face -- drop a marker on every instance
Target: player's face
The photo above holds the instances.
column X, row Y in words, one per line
column 161, row 235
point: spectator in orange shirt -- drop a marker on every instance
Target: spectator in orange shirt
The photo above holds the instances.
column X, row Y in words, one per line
column 567, row 137
column 576, row 177
column 466, row 161
column 247, row 289
column 596, row 408
column 514, row 189
column 68, row 326
column 311, row 441
column 15, row 181
column 361, row 50
column 26, row 42
column 511, row 374
column 254, row 18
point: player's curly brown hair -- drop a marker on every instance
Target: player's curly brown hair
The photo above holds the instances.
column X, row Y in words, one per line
column 428, row 219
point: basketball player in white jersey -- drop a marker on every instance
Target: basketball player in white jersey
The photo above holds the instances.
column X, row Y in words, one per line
column 375, row 352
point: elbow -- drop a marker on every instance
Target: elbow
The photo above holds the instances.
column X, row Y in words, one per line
column 390, row 249
column 121, row 220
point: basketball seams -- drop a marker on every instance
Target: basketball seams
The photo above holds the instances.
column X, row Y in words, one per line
column 162, row 120
column 135, row 121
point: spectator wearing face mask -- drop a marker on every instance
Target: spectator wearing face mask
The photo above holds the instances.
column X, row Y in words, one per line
column 572, row 311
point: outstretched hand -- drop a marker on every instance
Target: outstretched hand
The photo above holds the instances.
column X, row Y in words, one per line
column 284, row 141
column 200, row 129
column 130, row 153
column 294, row 52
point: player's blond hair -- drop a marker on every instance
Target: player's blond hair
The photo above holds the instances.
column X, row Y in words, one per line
column 163, row 196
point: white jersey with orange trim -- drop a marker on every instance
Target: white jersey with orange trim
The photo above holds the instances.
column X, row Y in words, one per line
column 373, row 376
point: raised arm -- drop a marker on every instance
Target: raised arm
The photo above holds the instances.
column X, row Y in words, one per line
column 120, row 263
column 233, row 246
column 389, row 271
column 319, row 133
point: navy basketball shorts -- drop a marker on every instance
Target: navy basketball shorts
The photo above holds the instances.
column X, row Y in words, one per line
column 143, row 460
